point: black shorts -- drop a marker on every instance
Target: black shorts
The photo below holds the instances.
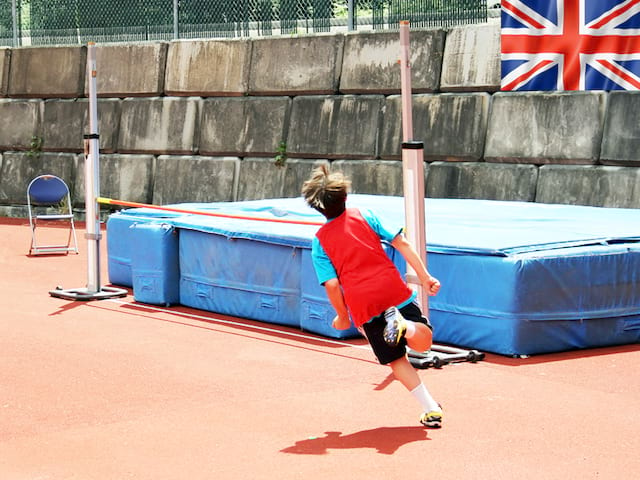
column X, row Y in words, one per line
column 374, row 328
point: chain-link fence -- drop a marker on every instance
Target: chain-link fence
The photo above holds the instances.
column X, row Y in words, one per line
column 48, row 22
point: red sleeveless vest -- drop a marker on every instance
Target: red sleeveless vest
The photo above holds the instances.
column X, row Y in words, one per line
column 370, row 281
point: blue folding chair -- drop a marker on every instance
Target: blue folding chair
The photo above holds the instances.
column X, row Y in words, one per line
column 48, row 199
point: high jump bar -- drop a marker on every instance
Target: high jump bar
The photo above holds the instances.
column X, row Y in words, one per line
column 111, row 201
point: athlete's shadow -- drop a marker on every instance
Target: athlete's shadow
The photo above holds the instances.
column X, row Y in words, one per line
column 384, row 440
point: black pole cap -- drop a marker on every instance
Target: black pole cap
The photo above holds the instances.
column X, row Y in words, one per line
column 413, row 145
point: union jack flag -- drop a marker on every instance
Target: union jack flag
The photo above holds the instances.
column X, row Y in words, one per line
column 570, row 45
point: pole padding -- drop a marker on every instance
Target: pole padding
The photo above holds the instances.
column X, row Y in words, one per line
column 123, row 203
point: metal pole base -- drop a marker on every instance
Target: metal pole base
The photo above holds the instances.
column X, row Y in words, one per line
column 86, row 295
column 441, row 355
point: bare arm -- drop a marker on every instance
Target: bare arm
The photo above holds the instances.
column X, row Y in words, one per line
column 431, row 284
column 334, row 292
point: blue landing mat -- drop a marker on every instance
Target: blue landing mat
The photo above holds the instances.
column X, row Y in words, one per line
column 517, row 278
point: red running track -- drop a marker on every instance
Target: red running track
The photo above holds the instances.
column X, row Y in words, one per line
column 112, row 389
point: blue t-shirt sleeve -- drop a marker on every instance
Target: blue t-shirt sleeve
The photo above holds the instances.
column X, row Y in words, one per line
column 374, row 222
column 321, row 263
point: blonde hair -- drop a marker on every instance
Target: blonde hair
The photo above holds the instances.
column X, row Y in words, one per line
column 326, row 191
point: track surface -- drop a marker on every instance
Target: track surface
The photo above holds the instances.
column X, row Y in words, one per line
column 112, row 389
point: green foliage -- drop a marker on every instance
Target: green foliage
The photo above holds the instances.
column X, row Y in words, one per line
column 72, row 21
column 49, row 14
column 63, row 205
column 70, row 14
column 281, row 154
column 6, row 22
column 35, row 147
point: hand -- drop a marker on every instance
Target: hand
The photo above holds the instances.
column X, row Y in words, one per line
column 340, row 323
column 433, row 286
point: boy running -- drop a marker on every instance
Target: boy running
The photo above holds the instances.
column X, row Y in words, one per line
column 364, row 286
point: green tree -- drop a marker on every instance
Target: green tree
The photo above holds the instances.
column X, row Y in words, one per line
column 125, row 13
column 53, row 14
column 6, row 23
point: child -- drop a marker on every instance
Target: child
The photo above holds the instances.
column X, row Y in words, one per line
column 364, row 286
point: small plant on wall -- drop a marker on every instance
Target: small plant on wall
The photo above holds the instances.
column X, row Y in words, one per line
column 35, row 147
column 281, row 154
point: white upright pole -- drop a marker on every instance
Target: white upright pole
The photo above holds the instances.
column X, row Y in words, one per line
column 405, row 83
column 92, row 178
column 93, row 291
column 412, row 171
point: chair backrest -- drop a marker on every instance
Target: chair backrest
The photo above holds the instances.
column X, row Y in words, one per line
column 47, row 190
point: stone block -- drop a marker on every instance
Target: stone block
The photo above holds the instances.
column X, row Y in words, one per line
column 62, row 125
column 452, row 126
column 19, row 168
column 297, row 171
column 296, row 65
column 481, row 180
column 194, row 179
column 108, row 122
column 5, row 62
column 122, row 177
column 370, row 61
column 65, row 122
column 159, row 125
column 376, row 177
column 334, row 126
column 541, row 128
column 130, row 69
column 243, row 126
column 48, row 72
column 599, row 186
column 471, row 59
column 20, row 123
column 260, row 178
column 621, row 137
column 208, row 67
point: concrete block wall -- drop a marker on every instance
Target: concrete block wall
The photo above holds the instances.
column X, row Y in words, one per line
column 52, row 72
column 370, row 62
column 130, row 70
column 471, row 60
column 5, row 57
column 243, row 126
column 334, row 126
column 208, row 68
column 304, row 65
column 563, row 127
column 451, row 125
column 227, row 120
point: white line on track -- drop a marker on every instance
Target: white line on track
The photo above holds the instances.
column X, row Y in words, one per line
column 245, row 325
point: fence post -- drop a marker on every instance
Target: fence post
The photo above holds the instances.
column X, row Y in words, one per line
column 350, row 16
column 14, row 18
column 176, row 24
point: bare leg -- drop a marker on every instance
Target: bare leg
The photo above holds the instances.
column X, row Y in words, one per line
column 422, row 339
column 408, row 376
column 405, row 373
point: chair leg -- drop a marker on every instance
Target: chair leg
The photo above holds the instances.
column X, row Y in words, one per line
column 70, row 247
column 33, row 238
column 72, row 232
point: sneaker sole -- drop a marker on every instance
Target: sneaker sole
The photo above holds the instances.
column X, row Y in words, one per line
column 433, row 424
column 392, row 336
column 433, row 421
